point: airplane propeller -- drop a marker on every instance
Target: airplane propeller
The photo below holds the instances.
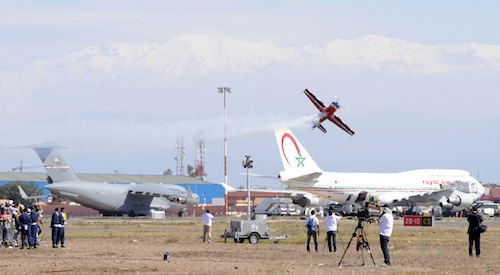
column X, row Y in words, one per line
column 336, row 99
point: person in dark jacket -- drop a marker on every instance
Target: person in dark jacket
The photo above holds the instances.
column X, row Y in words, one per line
column 25, row 223
column 33, row 228
column 55, row 224
column 62, row 222
column 474, row 219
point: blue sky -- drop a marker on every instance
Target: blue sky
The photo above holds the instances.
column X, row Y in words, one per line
column 402, row 121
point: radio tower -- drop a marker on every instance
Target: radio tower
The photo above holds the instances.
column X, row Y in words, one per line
column 200, row 156
column 180, row 155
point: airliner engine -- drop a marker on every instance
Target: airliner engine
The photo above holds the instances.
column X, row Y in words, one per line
column 178, row 200
column 306, row 200
column 456, row 200
column 460, row 200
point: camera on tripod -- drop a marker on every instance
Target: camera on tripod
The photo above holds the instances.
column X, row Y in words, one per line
column 360, row 235
column 362, row 215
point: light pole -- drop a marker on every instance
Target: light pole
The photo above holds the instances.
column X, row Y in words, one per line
column 248, row 164
column 225, row 90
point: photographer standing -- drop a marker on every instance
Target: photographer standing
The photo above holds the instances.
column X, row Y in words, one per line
column 331, row 229
column 386, row 221
column 207, row 226
column 312, row 225
column 474, row 219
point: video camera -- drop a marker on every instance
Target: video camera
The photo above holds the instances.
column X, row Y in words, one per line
column 362, row 215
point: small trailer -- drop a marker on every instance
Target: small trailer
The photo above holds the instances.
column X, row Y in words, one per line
column 252, row 230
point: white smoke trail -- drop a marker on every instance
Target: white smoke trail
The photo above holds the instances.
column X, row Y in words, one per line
column 268, row 126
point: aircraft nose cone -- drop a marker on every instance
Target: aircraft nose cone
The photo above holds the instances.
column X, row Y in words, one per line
column 52, row 188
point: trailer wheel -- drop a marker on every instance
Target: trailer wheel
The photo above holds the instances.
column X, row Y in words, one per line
column 253, row 238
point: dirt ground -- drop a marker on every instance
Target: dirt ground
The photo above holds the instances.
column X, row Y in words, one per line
column 126, row 246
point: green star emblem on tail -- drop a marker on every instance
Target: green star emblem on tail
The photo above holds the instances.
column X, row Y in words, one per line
column 300, row 160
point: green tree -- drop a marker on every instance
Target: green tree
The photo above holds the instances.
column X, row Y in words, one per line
column 11, row 191
column 190, row 171
column 167, row 172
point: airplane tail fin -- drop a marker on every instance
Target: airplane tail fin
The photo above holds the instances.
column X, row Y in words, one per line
column 296, row 160
column 23, row 194
column 57, row 167
column 192, row 198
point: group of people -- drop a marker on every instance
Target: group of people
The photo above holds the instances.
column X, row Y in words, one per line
column 18, row 221
column 21, row 221
column 57, row 224
column 312, row 225
column 385, row 219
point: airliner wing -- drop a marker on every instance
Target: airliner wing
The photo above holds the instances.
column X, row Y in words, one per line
column 313, row 177
column 337, row 121
column 403, row 199
column 427, row 198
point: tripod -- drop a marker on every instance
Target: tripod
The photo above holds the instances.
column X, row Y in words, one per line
column 362, row 243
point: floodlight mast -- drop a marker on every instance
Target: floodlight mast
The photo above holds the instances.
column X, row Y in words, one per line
column 225, row 90
column 248, row 164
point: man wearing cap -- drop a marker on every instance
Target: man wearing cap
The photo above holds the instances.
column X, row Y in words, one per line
column 386, row 221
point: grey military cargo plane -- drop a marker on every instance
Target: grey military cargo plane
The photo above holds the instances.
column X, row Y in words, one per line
column 134, row 199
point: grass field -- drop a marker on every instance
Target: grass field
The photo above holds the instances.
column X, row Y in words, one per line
column 128, row 246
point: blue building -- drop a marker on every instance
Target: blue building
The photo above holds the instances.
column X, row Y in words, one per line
column 209, row 193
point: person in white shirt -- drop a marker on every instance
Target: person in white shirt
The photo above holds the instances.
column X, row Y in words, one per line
column 207, row 226
column 386, row 221
column 331, row 229
column 312, row 225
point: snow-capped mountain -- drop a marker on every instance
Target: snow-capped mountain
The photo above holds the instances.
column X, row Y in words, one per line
column 203, row 54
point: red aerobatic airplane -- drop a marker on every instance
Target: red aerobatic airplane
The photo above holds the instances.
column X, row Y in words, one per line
column 327, row 113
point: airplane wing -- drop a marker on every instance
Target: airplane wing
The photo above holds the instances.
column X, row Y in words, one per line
column 26, row 197
column 427, row 198
column 307, row 178
column 321, row 128
column 314, row 99
column 173, row 193
column 337, row 121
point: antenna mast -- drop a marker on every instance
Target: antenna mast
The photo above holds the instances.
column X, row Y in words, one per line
column 200, row 156
column 180, row 155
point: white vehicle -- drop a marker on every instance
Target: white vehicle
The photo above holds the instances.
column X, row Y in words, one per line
column 252, row 230
column 489, row 208
column 451, row 189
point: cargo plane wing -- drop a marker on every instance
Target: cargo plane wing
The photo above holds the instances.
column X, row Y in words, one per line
column 111, row 198
column 451, row 189
column 26, row 197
